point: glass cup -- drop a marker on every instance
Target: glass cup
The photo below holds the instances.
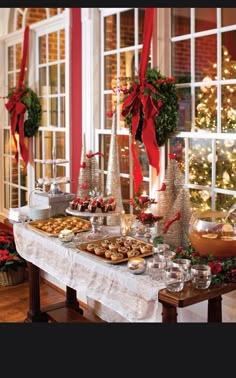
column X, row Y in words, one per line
column 160, row 248
column 174, row 278
column 126, row 224
column 169, row 256
column 200, row 276
column 185, row 264
column 155, row 267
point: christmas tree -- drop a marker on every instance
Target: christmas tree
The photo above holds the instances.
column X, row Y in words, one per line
column 200, row 157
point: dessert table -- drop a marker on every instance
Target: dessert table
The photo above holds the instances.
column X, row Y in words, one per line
column 115, row 294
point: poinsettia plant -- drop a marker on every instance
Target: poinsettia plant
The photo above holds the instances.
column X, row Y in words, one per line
column 9, row 257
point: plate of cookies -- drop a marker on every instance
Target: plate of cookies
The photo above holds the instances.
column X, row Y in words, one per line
column 116, row 249
column 53, row 226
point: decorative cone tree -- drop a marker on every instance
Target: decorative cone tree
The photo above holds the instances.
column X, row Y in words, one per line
column 174, row 206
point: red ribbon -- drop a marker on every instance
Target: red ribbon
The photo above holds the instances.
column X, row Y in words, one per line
column 170, row 221
column 141, row 99
column 92, row 155
column 16, row 108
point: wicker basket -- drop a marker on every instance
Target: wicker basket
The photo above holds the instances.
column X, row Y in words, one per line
column 12, row 277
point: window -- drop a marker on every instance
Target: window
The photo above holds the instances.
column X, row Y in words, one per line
column 47, row 75
column 204, row 64
column 121, row 46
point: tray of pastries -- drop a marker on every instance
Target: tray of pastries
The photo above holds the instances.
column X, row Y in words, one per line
column 116, row 249
column 53, row 226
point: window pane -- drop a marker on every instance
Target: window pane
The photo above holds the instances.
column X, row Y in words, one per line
column 185, row 109
column 127, row 28
column 180, row 21
column 206, row 108
column 52, row 47
column 228, row 56
column 228, row 106
column 110, row 33
column 228, row 16
column 200, row 161
column 205, row 19
column 226, row 164
column 10, row 58
column 141, row 14
column 62, row 44
column 205, row 57
column 53, row 112
column 110, row 70
column 181, row 61
column 53, row 81
column 42, row 49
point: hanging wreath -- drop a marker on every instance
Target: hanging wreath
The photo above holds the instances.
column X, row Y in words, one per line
column 161, row 93
column 33, row 111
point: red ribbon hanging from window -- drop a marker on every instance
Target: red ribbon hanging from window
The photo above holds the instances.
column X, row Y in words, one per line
column 16, row 108
column 137, row 100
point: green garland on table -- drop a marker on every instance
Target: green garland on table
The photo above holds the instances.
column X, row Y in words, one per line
column 223, row 271
column 34, row 109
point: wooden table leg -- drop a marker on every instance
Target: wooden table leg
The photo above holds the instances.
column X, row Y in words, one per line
column 215, row 310
column 71, row 299
column 34, row 314
column 169, row 313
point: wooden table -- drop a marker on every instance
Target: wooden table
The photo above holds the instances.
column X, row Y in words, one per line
column 188, row 296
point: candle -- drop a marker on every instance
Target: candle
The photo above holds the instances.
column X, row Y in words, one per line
column 136, row 265
column 143, row 197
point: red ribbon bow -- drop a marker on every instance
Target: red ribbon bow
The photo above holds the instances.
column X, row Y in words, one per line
column 17, row 109
column 141, row 99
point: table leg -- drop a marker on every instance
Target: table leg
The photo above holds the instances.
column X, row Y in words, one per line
column 169, row 313
column 215, row 310
column 34, row 314
column 71, row 300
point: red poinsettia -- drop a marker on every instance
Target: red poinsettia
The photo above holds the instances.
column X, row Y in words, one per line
column 9, row 257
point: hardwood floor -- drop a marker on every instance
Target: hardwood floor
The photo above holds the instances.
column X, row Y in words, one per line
column 14, row 301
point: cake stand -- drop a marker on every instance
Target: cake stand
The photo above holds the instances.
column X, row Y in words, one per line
column 97, row 232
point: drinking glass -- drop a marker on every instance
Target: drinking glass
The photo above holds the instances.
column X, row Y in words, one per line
column 155, row 267
column 201, row 276
column 174, row 278
column 169, row 256
column 160, row 248
column 185, row 264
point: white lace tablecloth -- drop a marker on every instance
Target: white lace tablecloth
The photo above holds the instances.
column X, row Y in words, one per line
column 116, row 294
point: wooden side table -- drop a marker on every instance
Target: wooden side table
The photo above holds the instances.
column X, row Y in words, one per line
column 188, row 296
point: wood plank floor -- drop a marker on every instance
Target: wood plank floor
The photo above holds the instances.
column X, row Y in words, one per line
column 14, row 302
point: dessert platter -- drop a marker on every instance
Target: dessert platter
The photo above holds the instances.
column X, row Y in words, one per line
column 94, row 208
column 116, row 249
column 53, row 226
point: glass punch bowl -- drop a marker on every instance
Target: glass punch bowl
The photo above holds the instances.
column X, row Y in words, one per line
column 214, row 233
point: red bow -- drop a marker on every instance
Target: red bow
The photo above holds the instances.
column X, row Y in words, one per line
column 140, row 99
column 17, row 110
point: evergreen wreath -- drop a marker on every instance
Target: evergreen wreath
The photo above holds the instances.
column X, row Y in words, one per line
column 34, row 109
column 164, row 94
